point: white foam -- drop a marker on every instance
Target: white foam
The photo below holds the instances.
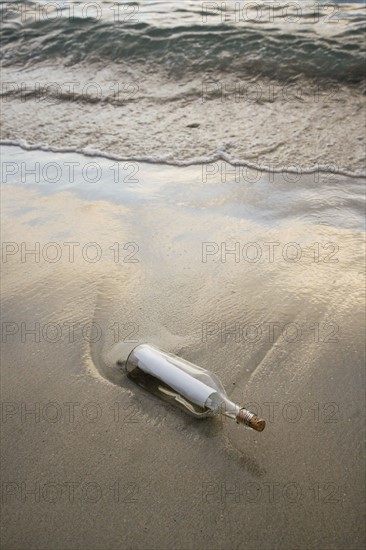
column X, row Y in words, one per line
column 219, row 155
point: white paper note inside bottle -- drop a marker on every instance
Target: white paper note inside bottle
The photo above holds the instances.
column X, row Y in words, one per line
column 153, row 363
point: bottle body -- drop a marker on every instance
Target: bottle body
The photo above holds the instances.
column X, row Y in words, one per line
column 196, row 390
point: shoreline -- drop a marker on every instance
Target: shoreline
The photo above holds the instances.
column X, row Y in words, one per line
column 219, row 156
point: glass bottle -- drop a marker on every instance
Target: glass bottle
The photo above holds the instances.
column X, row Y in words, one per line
column 196, row 390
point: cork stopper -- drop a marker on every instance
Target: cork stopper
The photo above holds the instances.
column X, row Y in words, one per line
column 257, row 423
column 249, row 419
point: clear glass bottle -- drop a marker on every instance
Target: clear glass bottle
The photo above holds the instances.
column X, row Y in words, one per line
column 196, row 390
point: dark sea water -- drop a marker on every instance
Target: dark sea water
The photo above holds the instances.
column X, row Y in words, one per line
column 187, row 38
column 185, row 81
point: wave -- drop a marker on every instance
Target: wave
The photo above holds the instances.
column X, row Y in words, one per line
column 268, row 51
column 219, row 155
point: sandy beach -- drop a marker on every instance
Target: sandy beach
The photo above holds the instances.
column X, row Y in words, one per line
column 260, row 283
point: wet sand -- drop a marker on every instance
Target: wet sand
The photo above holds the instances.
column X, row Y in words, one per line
column 100, row 463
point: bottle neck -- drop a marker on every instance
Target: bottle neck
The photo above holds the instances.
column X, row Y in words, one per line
column 230, row 409
column 221, row 404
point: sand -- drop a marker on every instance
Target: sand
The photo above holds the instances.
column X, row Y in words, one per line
column 101, row 464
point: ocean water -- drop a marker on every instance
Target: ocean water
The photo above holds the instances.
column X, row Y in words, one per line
column 185, row 82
